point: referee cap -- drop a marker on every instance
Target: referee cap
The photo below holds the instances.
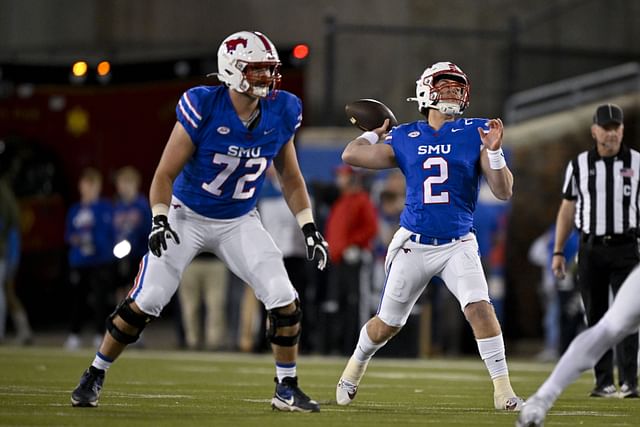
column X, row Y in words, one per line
column 608, row 113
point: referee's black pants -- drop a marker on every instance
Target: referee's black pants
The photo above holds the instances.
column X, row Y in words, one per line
column 601, row 266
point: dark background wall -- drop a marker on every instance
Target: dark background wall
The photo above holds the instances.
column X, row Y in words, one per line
column 379, row 47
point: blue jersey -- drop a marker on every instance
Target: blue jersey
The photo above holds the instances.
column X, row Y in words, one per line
column 442, row 170
column 132, row 222
column 89, row 233
column 224, row 176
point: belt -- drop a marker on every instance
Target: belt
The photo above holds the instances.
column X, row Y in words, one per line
column 608, row 239
column 433, row 241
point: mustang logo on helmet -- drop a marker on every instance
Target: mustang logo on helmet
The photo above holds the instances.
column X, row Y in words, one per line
column 233, row 44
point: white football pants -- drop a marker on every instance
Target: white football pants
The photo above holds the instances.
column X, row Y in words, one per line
column 241, row 243
column 413, row 266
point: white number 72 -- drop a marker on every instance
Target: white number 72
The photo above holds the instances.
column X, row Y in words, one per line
column 231, row 164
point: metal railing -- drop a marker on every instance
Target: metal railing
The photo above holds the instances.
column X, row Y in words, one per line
column 569, row 93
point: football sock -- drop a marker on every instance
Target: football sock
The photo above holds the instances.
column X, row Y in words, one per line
column 357, row 364
column 101, row 362
column 354, row 370
column 285, row 370
column 493, row 354
column 365, row 349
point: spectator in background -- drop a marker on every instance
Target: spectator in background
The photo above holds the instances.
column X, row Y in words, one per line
column 351, row 227
column 90, row 236
column 204, row 287
column 132, row 224
column 561, row 303
column 490, row 220
column 17, row 312
column 9, row 223
column 390, row 205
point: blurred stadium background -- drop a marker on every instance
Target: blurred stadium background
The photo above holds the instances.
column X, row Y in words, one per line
column 541, row 66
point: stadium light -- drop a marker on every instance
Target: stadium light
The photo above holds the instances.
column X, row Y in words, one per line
column 300, row 51
column 79, row 69
column 104, row 68
column 103, row 71
column 79, row 72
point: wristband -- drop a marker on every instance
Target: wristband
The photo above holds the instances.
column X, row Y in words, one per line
column 305, row 216
column 370, row 136
column 159, row 209
column 558, row 254
column 496, row 159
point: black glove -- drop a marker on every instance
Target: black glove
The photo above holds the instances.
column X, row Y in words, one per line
column 317, row 247
column 160, row 232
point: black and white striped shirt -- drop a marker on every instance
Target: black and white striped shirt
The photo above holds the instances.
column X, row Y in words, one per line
column 606, row 190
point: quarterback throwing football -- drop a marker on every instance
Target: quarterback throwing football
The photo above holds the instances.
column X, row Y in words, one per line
column 441, row 158
column 203, row 197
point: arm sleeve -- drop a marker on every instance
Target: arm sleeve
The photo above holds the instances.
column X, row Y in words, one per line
column 189, row 111
column 569, row 188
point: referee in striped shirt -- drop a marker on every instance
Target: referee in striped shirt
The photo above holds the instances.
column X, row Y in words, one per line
column 600, row 196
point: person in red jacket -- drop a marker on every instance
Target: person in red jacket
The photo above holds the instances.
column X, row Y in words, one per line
column 350, row 229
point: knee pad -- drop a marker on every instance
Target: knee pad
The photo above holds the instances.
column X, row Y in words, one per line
column 278, row 320
column 124, row 311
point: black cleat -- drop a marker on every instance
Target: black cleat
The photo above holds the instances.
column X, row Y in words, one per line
column 606, row 391
column 628, row 392
column 289, row 397
column 87, row 392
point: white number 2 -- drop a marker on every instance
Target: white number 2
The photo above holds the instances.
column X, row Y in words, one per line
column 429, row 196
column 232, row 163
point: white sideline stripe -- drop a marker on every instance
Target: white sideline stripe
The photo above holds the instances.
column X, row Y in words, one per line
column 151, row 396
column 427, row 375
column 587, row 413
column 258, row 400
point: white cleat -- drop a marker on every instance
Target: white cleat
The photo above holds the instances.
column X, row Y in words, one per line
column 513, row 403
column 345, row 392
column 348, row 385
column 532, row 414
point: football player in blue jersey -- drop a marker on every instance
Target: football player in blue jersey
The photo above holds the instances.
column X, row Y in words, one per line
column 442, row 158
column 203, row 197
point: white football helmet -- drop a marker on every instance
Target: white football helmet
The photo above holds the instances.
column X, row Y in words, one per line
column 248, row 62
column 448, row 98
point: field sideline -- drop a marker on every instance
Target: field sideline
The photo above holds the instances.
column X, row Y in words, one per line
column 173, row 388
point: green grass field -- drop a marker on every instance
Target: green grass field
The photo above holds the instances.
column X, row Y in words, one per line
column 160, row 388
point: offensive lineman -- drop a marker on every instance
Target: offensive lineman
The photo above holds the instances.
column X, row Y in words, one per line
column 442, row 159
column 203, row 197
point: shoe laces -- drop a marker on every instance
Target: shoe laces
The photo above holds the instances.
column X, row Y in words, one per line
column 291, row 383
column 92, row 379
column 347, row 386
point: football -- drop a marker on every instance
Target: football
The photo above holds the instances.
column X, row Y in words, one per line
column 369, row 114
